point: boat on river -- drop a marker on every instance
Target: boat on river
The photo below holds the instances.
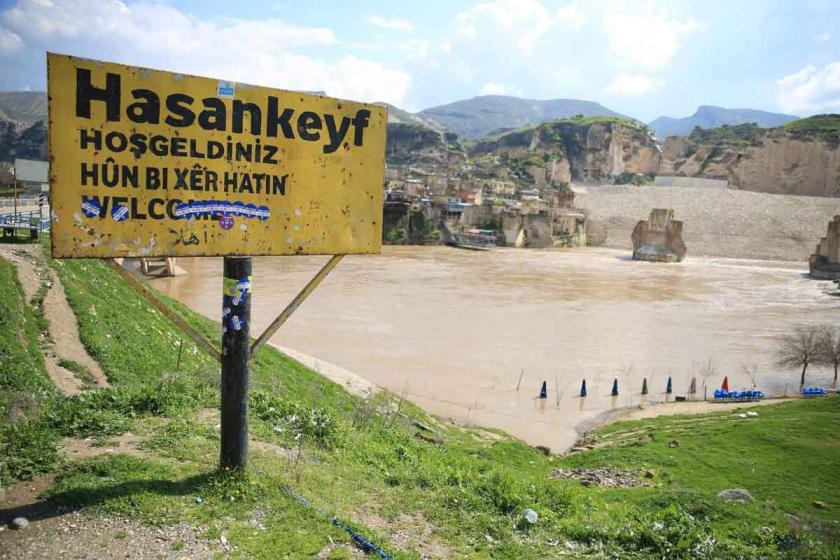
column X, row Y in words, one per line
column 474, row 239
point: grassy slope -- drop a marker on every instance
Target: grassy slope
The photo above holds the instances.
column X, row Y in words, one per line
column 354, row 458
column 21, row 362
column 821, row 124
column 25, row 387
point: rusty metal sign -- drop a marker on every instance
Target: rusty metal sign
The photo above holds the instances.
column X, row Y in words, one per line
column 150, row 163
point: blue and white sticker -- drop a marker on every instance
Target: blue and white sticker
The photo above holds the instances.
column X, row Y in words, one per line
column 91, row 207
column 226, row 312
column 226, row 90
column 119, row 213
column 237, row 323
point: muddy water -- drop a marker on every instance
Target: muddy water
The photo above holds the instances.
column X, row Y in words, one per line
column 455, row 329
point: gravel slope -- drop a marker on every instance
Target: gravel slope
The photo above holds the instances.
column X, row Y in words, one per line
column 717, row 222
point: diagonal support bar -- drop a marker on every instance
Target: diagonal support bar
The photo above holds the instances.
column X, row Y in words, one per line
column 160, row 306
column 295, row 303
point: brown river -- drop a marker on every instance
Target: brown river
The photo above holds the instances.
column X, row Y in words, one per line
column 455, row 329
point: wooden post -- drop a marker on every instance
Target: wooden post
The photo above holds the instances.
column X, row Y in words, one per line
column 236, row 319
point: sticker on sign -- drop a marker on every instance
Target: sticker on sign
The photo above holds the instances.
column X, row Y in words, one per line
column 226, row 90
column 150, row 163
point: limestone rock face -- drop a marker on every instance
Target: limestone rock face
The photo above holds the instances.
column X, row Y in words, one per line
column 598, row 152
column 825, row 262
column 409, row 143
column 775, row 161
column 659, row 238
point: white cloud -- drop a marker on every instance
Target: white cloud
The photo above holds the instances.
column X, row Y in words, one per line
column 264, row 52
column 822, row 37
column 396, row 24
column 493, row 88
column 633, row 84
column 642, row 36
column 811, row 89
column 526, row 22
column 9, row 41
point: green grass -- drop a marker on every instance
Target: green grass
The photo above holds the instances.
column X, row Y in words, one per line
column 826, row 127
column 25, row 387
column 818, row 123
column 358, row 460
column 741, row 134
column 21, row 363
column 581, row 120
column 787, row 457
column 79, row 371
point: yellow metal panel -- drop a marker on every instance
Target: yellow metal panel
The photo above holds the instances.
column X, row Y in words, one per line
column 151, row 163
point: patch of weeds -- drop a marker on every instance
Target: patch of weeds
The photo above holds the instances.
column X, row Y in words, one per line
column 232, row 486
column 112, row 411
column 291, row 421
column 37, row 303
column 79, row 371
column 184, row 439
column 27, row 449
column 120, row 483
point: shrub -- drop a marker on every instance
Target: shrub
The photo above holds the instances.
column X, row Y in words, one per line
column 28, row 449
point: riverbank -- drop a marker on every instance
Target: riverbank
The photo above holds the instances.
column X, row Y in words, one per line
column 455, row 329
column 417, row 486
column 359, row 386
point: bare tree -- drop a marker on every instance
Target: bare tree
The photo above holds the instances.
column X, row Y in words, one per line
column 800, row 348
column 828, row 351
column 707, row 371
column 751, row 371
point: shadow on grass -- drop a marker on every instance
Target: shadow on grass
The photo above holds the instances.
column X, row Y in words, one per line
column 68, row 501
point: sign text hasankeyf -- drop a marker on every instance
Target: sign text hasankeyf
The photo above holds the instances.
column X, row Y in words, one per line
column 151, row 163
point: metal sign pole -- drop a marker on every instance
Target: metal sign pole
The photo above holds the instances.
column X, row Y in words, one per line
column 236, row 319
column 14, row 189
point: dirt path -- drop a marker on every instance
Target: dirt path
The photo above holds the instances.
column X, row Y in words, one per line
column 63, row 344
column 55, row 532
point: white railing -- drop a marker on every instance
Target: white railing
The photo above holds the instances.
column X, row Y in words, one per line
column 21, row 201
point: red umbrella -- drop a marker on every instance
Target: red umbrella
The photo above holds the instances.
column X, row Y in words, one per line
column 725, row 384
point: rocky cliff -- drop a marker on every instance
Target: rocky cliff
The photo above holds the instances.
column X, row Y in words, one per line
column 800, row 158
column 413, row 143
column 589, row 149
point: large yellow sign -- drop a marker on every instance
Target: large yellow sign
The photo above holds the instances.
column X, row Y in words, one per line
column 151, row 163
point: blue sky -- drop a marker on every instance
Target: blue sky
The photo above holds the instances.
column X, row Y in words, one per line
column 643, row 58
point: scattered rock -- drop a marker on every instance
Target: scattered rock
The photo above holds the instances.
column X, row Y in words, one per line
column 818, row 504
column 608, row 477
column 543, row 449
column 650, row 473
column 577, row 450
column 673, row 443
column 20, row 523
column 736, row 494
column 432, row 440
